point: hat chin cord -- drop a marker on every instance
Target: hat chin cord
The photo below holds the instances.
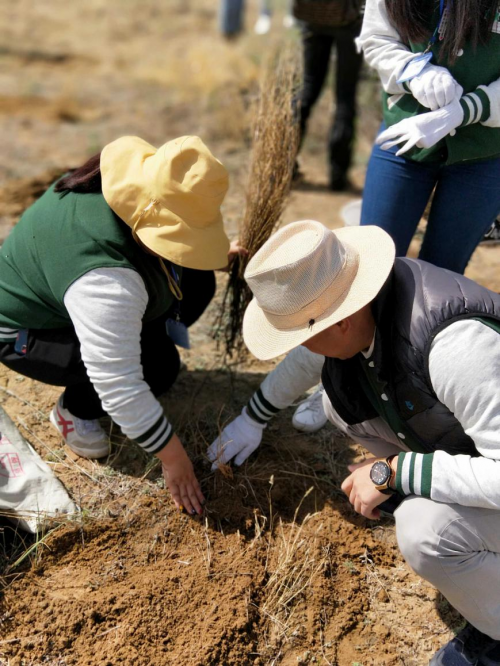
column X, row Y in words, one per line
column 172, row 280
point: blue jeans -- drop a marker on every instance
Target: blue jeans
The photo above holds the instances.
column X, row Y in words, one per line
column 465, row 204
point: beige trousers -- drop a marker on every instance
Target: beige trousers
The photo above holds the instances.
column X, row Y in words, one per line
column 456, row 548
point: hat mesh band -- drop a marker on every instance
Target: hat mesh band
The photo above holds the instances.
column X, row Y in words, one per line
column 326, row 302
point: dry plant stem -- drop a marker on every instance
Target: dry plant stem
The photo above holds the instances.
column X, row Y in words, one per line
column 274, row 150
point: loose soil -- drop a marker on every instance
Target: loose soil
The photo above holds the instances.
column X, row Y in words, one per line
column 279, row 569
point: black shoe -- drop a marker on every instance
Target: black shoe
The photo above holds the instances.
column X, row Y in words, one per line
column 339, row 183
column 466, row 649
column 492, row 236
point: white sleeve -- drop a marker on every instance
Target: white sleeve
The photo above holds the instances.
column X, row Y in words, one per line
column 493, row 92
column 382, row 47
column 464, row 367
column 106, row 307
column 299, row 371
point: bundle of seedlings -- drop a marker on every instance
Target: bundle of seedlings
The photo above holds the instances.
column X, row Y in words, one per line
column 274, row 150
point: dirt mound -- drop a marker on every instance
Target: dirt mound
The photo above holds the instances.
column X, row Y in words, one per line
column 161, row 588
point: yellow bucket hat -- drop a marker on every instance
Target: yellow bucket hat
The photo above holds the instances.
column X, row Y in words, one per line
column 170, row 197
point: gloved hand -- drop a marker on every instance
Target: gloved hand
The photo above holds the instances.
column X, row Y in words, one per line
column 238, row 440
column 435, row 87
column 423, row 131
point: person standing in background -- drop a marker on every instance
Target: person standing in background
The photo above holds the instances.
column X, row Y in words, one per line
column 231, row 17
column 325, row 24
column 439, row 65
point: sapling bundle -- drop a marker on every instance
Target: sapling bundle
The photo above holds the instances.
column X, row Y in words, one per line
column 274, row 150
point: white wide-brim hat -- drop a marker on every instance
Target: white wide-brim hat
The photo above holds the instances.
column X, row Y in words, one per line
column 306, row 278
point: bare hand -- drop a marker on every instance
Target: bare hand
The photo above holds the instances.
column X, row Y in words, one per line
column 235, row 250
column 180, row 477
column 361, row 491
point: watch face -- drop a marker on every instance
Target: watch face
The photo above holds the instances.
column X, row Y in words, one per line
column 380, row 473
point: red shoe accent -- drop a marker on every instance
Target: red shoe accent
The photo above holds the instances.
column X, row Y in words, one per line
column 67, row 426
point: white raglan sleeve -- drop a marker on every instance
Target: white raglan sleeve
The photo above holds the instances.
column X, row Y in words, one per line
column 299, row 371
column 382, row 47
column 464, row 367
column 106, row 307
column 493, row 93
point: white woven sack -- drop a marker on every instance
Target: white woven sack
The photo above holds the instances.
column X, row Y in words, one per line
column 30, row 493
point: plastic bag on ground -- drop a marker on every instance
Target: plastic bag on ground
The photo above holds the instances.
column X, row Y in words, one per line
column 30, row 493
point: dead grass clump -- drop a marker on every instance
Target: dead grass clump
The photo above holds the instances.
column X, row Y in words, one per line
column 274, row 149
column 296, row 559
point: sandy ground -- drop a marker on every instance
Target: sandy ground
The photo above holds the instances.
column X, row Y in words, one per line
column 279, row 570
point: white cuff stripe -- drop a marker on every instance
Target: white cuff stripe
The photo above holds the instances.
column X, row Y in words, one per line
column 405, row 474
column 417, row 480
column 472, row 111
column 477, row 99
column 161, row 438
column 262, row 408
column 261, row 411
column 152, row 440
column 4, row 329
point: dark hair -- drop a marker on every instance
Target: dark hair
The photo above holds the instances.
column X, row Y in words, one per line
column 85, row 179
column 468, row 20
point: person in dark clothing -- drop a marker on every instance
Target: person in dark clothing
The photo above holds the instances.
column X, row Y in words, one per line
column 326, row 26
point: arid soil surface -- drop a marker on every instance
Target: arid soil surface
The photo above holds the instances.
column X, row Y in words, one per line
column 279, row 570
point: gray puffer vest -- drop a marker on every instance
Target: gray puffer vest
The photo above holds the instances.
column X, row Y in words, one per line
column 417, row 302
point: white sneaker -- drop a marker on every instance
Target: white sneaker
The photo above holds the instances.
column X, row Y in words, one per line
column 288, row 21
column 310, row 415
column 86, row 438
column 262, row 25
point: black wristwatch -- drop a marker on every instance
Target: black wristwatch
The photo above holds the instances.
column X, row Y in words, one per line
column 381, row 474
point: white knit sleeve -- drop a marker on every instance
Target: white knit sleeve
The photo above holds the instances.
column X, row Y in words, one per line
column 464, row 366
column 299, row 371
column 493, row 92
column 382, row 47
column 106, row 307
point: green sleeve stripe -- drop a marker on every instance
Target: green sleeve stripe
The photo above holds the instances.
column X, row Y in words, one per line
column 164, row 441
column 254, row 415
column 465, row 109
column 265, row 403
column 427, row 461
column 399, row 484
column 413, row 457
column 485, row 101
column 149, row 433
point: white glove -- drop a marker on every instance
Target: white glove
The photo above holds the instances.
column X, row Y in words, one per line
column 435, row 87
column 423, row 131
column 238, row 440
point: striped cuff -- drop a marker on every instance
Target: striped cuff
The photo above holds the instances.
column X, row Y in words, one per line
column 414, row 475
column 261, row 409
column 476, row 107
column 8, row 334
column 157, row 437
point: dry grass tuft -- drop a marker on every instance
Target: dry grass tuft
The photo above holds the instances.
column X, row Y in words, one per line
column 296, row 560
column 274, row 149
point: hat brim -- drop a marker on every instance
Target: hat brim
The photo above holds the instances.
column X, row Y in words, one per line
column 376, row 258
column 204, row 250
